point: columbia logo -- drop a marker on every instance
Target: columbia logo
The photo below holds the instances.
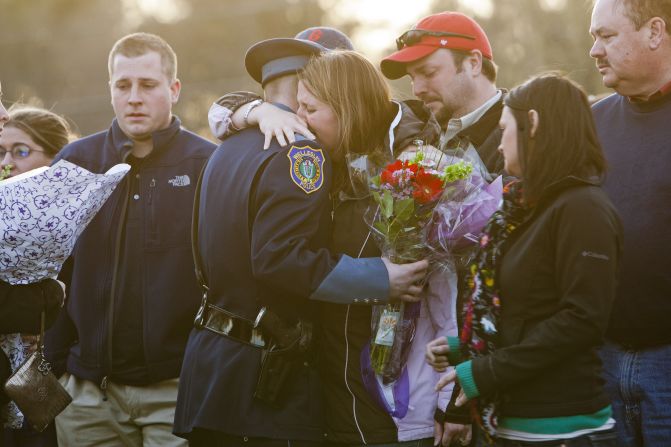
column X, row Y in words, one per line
column 180, row 180
column 591, row 254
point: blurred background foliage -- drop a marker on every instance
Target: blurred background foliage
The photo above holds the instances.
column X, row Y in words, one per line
column 53, row 53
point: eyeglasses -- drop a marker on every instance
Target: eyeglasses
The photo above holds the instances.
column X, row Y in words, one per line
column 18, row 151
column 413, row 36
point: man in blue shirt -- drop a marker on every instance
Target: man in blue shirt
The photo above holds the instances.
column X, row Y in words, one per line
column 632, row 50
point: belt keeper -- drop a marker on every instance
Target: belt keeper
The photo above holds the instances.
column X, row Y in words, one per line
column 259, row 317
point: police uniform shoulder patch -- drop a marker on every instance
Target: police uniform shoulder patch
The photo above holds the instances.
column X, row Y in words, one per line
column 306, row 167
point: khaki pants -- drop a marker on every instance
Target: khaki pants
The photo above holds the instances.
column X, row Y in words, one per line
column 131, row 416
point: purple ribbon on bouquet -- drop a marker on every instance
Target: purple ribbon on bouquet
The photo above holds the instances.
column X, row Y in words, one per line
column 458, row 224
column 393, row 397
column 392, row 391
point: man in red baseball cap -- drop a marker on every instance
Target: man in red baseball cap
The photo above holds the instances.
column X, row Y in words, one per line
column 449, row 59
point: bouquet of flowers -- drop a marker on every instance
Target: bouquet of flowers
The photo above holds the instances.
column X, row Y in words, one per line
column 406, row 193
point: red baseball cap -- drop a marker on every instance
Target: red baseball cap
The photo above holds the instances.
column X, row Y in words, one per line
column 451, row 30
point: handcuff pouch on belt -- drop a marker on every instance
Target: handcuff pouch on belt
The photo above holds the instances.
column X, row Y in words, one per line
column 283, row 345
column 289, row 347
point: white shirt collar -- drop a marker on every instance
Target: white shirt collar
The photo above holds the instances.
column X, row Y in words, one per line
column 456, row 125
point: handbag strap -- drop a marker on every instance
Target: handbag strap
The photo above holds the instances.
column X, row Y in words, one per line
column 40, row 339
column 44, row 366
column 43, row 319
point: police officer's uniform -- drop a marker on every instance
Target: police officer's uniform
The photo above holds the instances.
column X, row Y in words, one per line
column 264, row 223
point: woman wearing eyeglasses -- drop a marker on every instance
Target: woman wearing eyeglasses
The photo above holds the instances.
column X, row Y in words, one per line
column 30, row 137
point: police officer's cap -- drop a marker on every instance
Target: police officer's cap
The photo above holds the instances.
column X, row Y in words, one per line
column 272, row 58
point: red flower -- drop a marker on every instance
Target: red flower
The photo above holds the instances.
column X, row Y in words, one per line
column 387, row 176
column 414, row 168
column 395, row 166
column 399, row 172
column 428, row 187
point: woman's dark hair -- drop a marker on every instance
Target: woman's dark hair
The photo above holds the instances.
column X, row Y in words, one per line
column 565, row 142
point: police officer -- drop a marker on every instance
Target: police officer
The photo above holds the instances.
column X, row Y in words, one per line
column 263, row 222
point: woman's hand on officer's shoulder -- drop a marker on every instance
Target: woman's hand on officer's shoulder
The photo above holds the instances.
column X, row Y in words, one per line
column 278, row 123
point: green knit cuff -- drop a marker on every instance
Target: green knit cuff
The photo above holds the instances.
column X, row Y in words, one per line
column 465, row 376
column 454, row 356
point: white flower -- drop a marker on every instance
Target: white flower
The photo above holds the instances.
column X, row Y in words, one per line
column 488, row 325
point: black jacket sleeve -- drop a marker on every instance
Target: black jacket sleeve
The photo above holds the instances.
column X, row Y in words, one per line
column 21, row 305
column 454, row 414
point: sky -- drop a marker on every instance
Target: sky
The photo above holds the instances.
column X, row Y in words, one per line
column 387, row 18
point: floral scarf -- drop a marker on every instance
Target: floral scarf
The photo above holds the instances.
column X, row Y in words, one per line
column 13, row 347
column 479, row 334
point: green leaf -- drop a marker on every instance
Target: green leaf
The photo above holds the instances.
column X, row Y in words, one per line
column 403, row 209
column 376, row 181
column 387, row 204
column 381, row 227
column 377, row 198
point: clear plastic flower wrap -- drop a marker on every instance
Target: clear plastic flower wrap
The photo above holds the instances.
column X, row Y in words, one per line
column 405, row 194
column 461, row 213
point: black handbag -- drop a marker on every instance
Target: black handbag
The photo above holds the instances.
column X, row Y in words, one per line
column 35, row 390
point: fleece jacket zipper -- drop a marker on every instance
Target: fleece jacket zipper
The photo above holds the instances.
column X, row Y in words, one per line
column 115, row 273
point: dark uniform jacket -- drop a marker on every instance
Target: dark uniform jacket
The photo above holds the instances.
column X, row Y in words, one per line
column 263, row 238
column 168, row 291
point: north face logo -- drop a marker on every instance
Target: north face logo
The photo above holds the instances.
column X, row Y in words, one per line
column 180, row 180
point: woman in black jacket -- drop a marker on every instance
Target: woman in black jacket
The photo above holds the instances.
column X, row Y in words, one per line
column 543, row 281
